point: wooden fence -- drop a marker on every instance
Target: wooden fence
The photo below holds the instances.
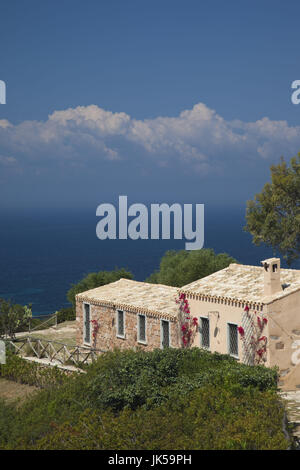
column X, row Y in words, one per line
column 54, row 351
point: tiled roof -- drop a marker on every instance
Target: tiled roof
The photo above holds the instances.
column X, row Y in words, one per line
column 136, row 296
column 243, row 283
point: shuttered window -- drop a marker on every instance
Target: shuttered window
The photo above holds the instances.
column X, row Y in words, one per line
column 142, row 328
column 165, row 334
column 120, row 323
column 87, row 324
column 204, row 332
column 233, row 340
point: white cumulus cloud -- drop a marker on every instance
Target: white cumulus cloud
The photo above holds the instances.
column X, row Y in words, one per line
column 199, row 137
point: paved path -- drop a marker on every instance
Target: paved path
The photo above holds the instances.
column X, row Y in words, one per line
column 46, row 362
column 293, row 410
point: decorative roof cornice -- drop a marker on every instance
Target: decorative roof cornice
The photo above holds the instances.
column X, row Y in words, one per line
column 126, row 307
column 221, row 299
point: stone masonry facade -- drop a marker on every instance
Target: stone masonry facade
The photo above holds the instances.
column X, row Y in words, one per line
column 107, row 338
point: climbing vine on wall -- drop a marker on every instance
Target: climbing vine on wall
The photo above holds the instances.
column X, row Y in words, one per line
column 95, row 332
column 187, row 325
column 253, row 337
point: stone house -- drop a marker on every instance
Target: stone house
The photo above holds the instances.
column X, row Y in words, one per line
column 134, row 314
column 129, row 314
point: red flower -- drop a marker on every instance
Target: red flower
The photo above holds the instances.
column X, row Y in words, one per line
column 263, row 338
column 182, row 297
column 265, row 320
column 195, row 321
column 246, row 308
column 183, row 327
column 241, row 330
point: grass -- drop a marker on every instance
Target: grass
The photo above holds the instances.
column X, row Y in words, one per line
column 64, row 333
column 11, row 391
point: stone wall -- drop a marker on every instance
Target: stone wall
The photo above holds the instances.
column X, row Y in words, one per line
column 107, row 338
column 284, row 339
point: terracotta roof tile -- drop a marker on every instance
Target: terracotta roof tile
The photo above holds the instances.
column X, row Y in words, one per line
column 244, row 283
column 138, row 296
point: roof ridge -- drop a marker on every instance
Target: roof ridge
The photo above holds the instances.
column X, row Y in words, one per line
column 147, row 283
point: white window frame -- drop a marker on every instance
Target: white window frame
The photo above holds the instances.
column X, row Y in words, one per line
column 161, row 333
column 142, row 341
column 84, row 322
column 123, row 336
column 200, row 334
column 228, row 340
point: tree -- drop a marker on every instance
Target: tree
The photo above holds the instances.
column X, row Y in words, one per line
column 93, row 280
column 13, row 318
column 178, row 268
column 273, row 217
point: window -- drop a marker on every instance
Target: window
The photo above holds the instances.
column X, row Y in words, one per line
column 165, row 334
column 142, row 328
column 120, row 324
column 86, row 323
column 204, row 332
column 233, row 340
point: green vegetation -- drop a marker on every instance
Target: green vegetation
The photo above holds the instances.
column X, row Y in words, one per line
column 93, row 280
column 66, row 314
column 13, row 318
column 31, row 373
column 164, row 399
column 273, row 217
column 178, row 268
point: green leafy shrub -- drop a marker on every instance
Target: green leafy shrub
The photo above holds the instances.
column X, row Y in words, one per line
column 93, row 280
column 208, row 418
column 128, row 378
column 178, row 268
column 31, row 373
column 163, row 399
column 13, row 318
column 66, row 314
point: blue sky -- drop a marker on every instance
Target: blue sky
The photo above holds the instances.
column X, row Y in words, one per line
column 183, row 101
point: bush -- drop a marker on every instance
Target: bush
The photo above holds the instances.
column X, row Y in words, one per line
column 66, row 314
column 13, row 318
column 208, row 418
column 163, row 399
column 93, row 280
column 128, row 378
column 26, row 372
column 178, row 268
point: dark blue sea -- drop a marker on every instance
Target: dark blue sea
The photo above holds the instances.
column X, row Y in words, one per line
column 43, row 252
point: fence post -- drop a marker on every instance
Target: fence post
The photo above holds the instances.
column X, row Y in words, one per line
column 55, row 319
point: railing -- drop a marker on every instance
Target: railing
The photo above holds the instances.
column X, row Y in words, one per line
column 41, row 325
column 54, row 351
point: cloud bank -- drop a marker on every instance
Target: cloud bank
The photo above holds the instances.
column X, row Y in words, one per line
column 198, row 137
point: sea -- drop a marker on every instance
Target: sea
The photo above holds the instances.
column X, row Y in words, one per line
column 43, row 252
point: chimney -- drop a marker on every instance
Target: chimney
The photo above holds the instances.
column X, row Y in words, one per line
column 272, row 282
